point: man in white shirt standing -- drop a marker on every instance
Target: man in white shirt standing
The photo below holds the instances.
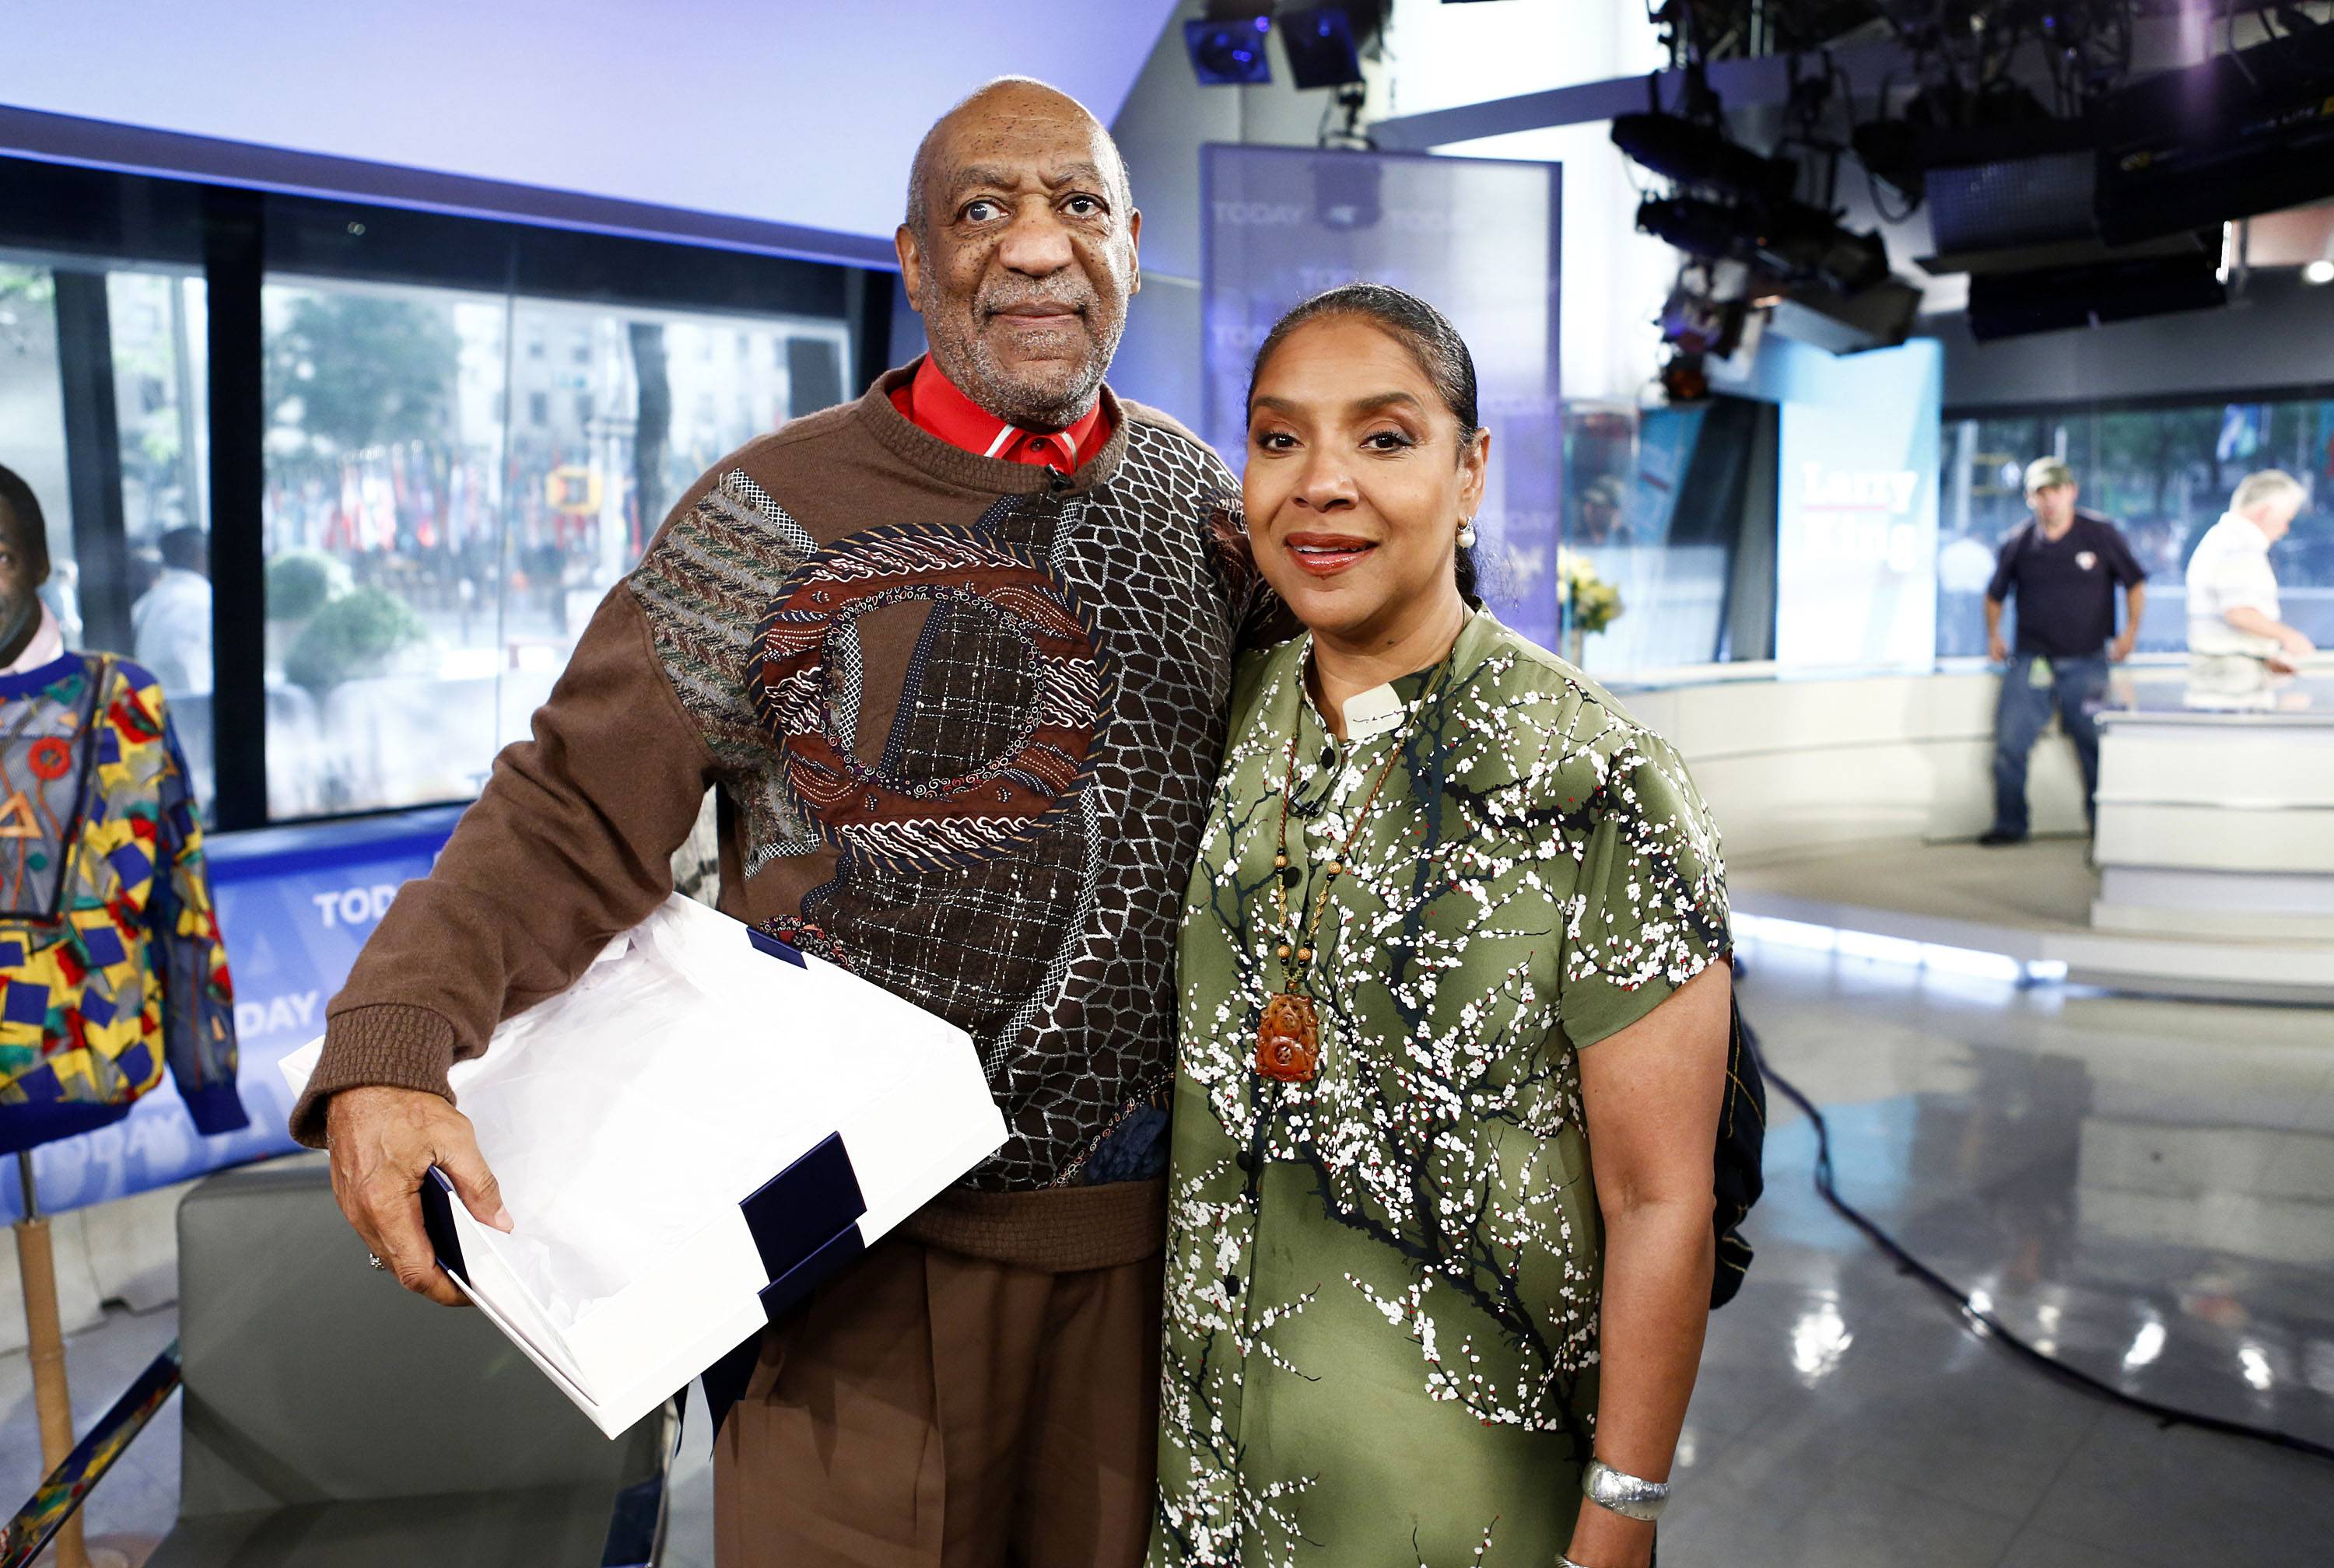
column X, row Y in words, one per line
column 2234, row 630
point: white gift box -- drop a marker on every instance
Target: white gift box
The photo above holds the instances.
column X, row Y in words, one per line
column 689, row 1139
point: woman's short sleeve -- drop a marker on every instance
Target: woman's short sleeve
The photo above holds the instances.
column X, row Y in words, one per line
column 1649, row 912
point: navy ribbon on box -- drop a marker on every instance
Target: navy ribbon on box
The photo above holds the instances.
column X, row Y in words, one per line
column 437, row 1220
column 804, row 1222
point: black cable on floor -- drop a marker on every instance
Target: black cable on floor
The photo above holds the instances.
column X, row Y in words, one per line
column 1993, row 1326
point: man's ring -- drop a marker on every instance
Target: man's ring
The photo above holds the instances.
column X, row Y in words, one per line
column 374, row 1258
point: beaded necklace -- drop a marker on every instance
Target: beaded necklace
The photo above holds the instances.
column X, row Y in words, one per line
column 1288, row 1035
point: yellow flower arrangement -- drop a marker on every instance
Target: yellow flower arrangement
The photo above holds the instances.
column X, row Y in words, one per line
column 1590, row 603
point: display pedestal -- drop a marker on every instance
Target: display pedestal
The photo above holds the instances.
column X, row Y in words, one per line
column 45, row 1348
column 44, row 1345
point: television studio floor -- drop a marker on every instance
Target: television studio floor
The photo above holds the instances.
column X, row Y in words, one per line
column 2031, row 901
column 2145, row 1186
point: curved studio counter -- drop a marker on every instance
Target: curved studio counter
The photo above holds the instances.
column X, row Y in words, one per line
column 1850, row 799
column 2216, row 811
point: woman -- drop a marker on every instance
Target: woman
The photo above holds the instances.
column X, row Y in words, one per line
column 1454, row 1025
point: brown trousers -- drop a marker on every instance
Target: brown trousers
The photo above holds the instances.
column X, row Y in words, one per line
column 931, row 1409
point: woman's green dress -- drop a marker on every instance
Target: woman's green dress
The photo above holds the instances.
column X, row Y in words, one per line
column 1382, row 1284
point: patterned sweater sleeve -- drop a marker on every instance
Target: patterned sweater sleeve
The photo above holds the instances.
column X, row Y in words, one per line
column 187, row 953
column 570, row 843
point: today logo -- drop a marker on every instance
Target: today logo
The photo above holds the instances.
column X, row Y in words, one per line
column 278, row 1015
column 353, row 905
column 1259, row 214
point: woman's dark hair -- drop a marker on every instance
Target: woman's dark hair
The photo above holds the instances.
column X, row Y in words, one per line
column 31, row 528
column 1430, row 338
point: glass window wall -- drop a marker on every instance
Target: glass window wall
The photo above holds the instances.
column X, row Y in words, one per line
column 442, row 441
column 432, row 560
column 32, row 417
column 134, row 580
column 158, row 324
column 2163, row 472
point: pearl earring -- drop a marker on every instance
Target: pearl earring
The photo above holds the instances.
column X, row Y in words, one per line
column 1467, row 534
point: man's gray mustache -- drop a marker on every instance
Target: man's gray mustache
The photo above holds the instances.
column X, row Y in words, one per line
column 1081, row 303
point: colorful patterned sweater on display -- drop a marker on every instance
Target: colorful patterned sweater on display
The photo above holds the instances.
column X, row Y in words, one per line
column 109, row 949
column 963, row 716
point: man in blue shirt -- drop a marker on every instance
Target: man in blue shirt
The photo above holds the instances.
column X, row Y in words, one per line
column 2064, row 566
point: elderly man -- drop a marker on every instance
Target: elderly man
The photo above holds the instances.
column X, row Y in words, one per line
column 2063, row 566
column 976, row 776
column 2234, row 635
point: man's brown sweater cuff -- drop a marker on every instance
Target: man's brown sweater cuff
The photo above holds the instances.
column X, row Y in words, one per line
column 396, row 1046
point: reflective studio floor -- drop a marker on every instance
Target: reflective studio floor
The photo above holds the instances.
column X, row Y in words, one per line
column 2145, row 1187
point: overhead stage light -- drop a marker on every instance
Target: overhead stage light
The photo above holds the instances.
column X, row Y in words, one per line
column 1228, row 52
column 2246, row 132
column 1708, row 229
column 1788, row 240
column 1322, row 49
column 1880, row 316
column 2319, row 272
column 1701, row 155
column 2004, row 305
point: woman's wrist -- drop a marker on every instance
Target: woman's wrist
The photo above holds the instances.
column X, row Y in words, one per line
column 1631, row 1497
column 1605, row 1538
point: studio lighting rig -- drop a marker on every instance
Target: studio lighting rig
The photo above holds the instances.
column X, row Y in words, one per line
column 2077, row 160
column 1761, row 231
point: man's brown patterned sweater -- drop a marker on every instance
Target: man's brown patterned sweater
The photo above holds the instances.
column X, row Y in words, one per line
column 964, row 717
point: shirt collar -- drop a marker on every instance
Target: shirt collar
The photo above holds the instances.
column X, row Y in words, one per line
column 1384, row 708
column 48, row 645
column 933, row 404
column 2242, row 531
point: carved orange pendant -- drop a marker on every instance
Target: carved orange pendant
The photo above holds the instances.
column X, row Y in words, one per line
column 1288, row 1040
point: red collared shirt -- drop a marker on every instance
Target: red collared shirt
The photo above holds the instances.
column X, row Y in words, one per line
column 932, row 403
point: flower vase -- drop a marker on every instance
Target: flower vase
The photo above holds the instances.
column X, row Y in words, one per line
column 1576, row 642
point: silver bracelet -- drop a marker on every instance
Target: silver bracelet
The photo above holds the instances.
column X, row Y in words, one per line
column 1628, row 1495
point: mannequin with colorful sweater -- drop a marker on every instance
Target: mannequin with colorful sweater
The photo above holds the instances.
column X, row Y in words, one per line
column 111, row 960
column 110, row 948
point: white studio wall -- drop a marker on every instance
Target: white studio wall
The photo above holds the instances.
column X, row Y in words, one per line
column 1167, row 118
column 796, row 113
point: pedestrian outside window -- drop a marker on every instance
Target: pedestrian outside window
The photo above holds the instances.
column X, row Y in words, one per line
column 443, row 515
column 144, row 592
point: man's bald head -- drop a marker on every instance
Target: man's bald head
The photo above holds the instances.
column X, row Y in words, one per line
column 1019, row 250
column 1008, row 99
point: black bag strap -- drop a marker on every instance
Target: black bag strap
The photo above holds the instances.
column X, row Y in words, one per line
column 1737, row 1177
